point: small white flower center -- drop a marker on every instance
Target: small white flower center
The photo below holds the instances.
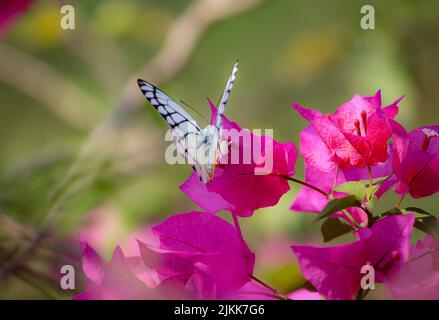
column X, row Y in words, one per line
column 430, row 132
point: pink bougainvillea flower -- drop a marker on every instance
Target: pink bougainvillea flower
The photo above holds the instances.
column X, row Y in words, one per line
column 255, row 291
column 416, row 160
column 114, row 279
column 188, row 263
column 204, row 251
column 418, row 279
column 357, row 133
column 236, row 187
column 321, row 171
column 303, row 294
column 124, row 278
column 10, row 10
column 252, row 291
column 336, row 271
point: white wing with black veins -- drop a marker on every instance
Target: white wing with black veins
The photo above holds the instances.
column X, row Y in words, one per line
column 188, row 137
column 225, row 96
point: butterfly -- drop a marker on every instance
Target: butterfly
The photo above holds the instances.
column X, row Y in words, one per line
column 202, row 148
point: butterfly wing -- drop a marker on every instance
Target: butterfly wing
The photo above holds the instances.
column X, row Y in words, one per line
column 225, row 96
column 218, row 143
column 198, row 147
column 174, row 114
column 185, row 130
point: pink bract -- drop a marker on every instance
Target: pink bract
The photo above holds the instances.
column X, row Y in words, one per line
column 197, row 246
column 114, row 279
column 235, row 186
column 200, row 256
column 321, row 171
column 336, row 271
column 357, row 133
column 419, row 276
column 416, row 160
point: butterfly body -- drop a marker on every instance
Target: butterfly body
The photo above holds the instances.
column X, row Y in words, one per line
column 202, row 148
column 216, row 147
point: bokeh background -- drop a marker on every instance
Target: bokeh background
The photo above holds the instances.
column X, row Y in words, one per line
column 82, row 153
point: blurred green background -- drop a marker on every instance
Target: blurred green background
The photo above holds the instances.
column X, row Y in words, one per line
column 82, row 152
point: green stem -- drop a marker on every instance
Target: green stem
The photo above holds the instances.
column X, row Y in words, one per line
column 337, row 168
column 361, row 294
column 399, row 201
column 350, row 218
column 369, row 217
column 329, row 196
column 237, row 226
column 308, row 185
column 275, row 292
column 369, row 171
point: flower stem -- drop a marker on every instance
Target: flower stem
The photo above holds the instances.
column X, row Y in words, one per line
column 337, row 169
column 350, row 218
column 307, row 185
column 237, row 226
column 329, row 196
column 275, row 292
column 361, row 294
column 369, row 171
column 369, row 214
column 399, row 201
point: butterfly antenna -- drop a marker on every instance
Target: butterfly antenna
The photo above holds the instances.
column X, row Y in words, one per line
column 199, row 113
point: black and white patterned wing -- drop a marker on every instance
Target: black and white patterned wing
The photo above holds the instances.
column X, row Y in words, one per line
column 225, row 96
column 175, row 115
column 185, row 130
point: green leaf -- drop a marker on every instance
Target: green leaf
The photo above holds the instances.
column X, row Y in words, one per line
column 378, row 181
column 428, row 225
column 371, row 190
column 356, row 188
column 333, row 228
column 370, row 204
column 390, row 212
column 362, row 189
column 339, row 204
column 417, row 210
